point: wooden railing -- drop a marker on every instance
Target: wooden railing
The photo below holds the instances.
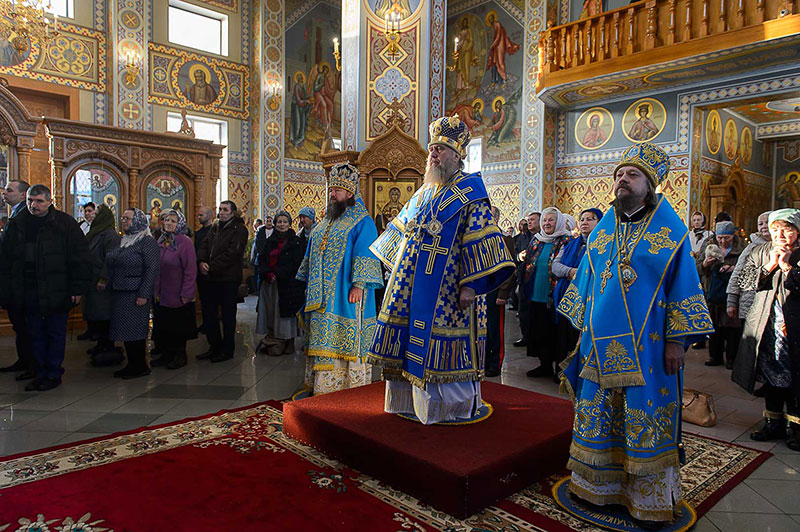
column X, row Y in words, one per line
column 648, row 25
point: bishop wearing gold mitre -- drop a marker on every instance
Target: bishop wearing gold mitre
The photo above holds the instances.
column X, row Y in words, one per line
column 445, row 253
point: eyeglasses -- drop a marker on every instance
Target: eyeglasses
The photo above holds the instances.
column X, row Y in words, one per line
column 124, row 218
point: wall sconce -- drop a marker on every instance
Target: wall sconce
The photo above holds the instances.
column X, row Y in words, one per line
column 455, row 55
column 130, row 62
column 392, row 31
column 274, row 99
column 336, row 54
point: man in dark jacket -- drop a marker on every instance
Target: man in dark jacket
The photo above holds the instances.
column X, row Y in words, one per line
column 220, row 260
column 14, row 196
column 206, row 217
column 45, row 263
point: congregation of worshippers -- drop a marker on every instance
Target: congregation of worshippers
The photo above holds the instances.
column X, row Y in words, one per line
column 607, row 302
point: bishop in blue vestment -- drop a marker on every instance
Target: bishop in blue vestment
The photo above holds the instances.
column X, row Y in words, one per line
column 638, row 303
column 342, row 275
column 445, row 252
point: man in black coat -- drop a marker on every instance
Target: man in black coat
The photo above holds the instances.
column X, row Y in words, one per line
column 45, row 263
column 14, row 196
column 220, row 261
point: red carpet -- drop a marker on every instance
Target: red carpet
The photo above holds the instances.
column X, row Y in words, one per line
column 238, row 471
column 457, row 469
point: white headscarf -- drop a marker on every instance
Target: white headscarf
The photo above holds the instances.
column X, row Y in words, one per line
column 561, row 227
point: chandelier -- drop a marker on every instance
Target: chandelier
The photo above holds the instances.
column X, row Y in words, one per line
column 22, row 21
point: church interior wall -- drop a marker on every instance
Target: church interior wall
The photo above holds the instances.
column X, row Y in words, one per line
column 312, row 107
column 735, row 141
column 488, row 99
column 787, row 172
column 584, row 173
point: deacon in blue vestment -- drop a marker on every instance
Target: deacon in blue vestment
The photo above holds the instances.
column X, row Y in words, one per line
column 638, row 303
column 342, row 275
column 445, row 252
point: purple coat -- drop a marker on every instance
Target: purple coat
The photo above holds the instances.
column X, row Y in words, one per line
column 178, row 273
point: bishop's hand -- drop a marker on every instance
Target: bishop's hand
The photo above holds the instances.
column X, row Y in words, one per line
column 466, row 297
column 674, row 356
column 355, row 295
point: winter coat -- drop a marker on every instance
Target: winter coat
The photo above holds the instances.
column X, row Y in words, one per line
column 742, row 299
column 63, row 263
column 291, row 292
column 766, row 289
column 718, row 281
column 177, row 273
column 223, row 250
column 97, row 305
column 132, row 273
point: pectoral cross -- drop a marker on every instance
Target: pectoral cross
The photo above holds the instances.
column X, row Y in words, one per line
column 605, row 276
column 434, row 249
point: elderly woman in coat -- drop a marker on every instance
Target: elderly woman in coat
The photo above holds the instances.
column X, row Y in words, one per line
column 739, row 301
column 173, row 313
column 281, row 295
column 539, row 285
column 103, row 238
column 764, row 350
column 132, row 273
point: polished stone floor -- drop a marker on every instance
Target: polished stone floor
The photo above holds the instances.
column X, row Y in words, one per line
column 91, row 403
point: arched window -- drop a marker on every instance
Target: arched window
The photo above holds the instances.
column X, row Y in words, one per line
column 164, row 192
column 94, row 183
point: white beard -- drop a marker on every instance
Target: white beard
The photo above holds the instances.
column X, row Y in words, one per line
column 433, row 174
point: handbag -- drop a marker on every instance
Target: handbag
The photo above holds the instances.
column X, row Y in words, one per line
column 698, row 408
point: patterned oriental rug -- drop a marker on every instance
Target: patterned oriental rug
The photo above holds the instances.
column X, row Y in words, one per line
column 236, row 470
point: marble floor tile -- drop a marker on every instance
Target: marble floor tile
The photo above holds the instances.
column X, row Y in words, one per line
column 111, row 423
column 13, row 418
column 186, row 391
column 62, row 421
column 19, row 441
column 785, row 494
column 775, row 469
column 743, row 499
column 147, row 405
column 751, row 522
column 76, row 437
column 199, row 407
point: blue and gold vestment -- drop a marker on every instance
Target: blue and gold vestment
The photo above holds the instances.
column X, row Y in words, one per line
column 442, row 240
column 636, row 288
column 338, row 258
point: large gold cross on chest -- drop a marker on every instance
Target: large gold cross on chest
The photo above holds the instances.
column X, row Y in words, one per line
column 434, row 249
column 457, row 194
column 605, row 276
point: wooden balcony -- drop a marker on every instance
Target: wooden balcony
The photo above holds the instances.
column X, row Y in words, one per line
column 652, row 32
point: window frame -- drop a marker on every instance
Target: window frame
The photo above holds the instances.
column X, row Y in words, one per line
column 222, row 18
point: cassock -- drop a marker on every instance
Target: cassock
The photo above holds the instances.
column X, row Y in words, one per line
column 432, row 352
column 636, row 288
column 339, row 332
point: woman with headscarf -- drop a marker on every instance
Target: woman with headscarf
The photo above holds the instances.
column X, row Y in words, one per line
column 103, row 238
column 717, row 269
column 539, row 283
column 699, row 233
column 281, row 295
column 764, row 353
column 791, row 310
column 132, row 273
column 565, row 266
column 739, row 301
column 173, row 312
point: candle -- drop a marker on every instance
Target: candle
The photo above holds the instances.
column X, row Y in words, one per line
column 386, row 23
column 335, row 45
column 456, row 43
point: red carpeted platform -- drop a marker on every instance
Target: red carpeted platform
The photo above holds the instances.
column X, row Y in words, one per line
column 456, row 469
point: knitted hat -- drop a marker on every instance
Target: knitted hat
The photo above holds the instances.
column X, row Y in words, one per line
column 308, row 211
column 648, row 158
column 725, row 228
